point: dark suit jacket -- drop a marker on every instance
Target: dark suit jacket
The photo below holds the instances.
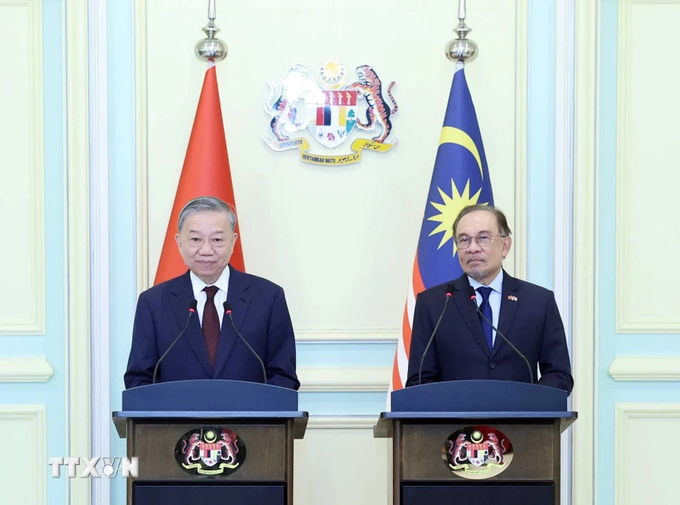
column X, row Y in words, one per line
column 460, row 352
column 260, row 314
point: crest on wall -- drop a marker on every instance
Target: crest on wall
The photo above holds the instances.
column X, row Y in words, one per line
column 329, row 112
column 477, row 452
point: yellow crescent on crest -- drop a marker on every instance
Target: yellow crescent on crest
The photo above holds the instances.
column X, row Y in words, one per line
column 451, row 135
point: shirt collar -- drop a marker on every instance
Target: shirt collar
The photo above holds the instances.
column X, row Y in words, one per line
column 496, row 284
column 222, row 282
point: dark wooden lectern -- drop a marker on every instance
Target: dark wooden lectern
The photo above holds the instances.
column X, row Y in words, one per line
column 476, row 442
column 247, row 426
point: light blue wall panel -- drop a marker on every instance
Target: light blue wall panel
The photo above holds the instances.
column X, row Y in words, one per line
column 540, row 191
column 52, row 344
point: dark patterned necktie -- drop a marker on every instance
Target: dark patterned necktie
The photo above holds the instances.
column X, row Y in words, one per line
column 485, row 309
column 211, row 324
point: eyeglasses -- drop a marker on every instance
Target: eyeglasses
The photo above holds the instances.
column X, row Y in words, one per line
column 483, row 239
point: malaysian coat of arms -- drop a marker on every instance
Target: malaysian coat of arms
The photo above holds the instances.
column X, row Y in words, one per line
column 477, row 452
column 330, row 111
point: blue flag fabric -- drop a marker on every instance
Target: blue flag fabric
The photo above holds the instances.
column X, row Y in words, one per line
column 460, row 178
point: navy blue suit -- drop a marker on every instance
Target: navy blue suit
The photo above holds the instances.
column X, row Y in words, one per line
column 260, row 314
column 529, row 318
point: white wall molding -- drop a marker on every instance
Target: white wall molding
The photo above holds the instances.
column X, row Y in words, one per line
column 564, row 203
column 629, row 485
column 584, row 279
column 342, row 422
column 645, row 368
column 141, row 146
column 521, row 137
column 25, row 370
column 77, row 331
column 23, row 169
column 31, row 473
column 328, row 379
column 348, row 335
column 100, row 233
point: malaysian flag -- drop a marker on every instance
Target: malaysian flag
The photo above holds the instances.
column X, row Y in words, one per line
column 460, row 178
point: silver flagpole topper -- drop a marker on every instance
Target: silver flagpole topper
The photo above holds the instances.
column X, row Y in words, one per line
column 461, row 49
column 211, row 48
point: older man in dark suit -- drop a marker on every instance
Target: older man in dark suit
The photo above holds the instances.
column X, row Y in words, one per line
column 210, row 349
column 465, row 345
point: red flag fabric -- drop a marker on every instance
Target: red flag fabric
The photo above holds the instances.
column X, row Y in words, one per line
column 205, row 173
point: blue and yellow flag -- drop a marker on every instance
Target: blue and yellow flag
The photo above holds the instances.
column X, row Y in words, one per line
column 460, row 178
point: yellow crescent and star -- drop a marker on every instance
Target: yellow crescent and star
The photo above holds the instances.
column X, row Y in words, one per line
column 457, row 201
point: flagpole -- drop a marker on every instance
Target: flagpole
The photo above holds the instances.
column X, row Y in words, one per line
column 211, row 48
column 461, row 49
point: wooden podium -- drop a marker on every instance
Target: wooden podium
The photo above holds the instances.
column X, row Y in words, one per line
column 211, row 441
column 476, row 442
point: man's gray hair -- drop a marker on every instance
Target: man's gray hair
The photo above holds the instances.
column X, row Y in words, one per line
column 206, row 204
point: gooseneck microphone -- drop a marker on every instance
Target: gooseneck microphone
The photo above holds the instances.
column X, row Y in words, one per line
column 227, row 310
column 192, row 311
column 473, row 298
column 449, row 292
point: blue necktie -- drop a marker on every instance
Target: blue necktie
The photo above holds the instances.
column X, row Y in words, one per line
column 485, row 309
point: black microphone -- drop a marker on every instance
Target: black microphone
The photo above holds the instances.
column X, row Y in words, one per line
column 473, row 298
column 449, row 292
column 192, row 311
column 227, row 310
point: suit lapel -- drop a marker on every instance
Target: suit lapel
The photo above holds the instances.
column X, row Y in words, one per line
column 239, row 298
column 467, row 310
column 508, row 309
column 184, row 296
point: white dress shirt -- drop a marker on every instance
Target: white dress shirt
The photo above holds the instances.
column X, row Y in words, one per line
column 494, row 299
column 201, row 297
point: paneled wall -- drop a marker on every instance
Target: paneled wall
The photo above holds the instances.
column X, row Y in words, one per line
column 340, row 240
column 635, row 246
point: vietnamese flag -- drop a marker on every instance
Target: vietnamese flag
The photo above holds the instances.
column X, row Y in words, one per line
column 205, row 173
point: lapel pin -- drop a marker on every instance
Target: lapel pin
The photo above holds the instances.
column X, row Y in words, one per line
column 512, row 298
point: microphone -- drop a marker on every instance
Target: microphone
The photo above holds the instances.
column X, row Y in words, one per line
column 473, row 298
column 449, row 292
column 227, row 310
column 192, row 311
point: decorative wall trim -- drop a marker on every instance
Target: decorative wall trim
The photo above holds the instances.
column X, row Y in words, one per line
column 141, row 146
column 585, row 278
column 36, row 415
column 347, row 335
column 342, row 422
column 25, row 370
column 521, row 136
column 627, row 452
column 645, row 368
column 630, row 319
column 34, row 202
column 563, row 187
column 329, row 379
column 78, row 245
column 101, row 244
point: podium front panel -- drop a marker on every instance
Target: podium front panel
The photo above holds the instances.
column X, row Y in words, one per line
column 535, row 456
column 516, row 494
column 154, row 444
column 151, row 494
